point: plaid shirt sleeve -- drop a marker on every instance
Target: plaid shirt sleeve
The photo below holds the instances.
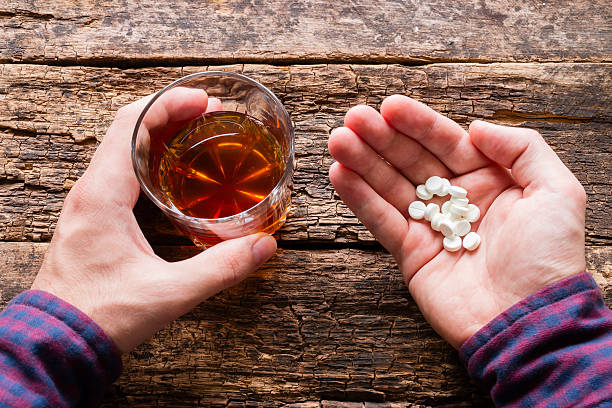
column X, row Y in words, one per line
column 552, row 349
column 53, row 355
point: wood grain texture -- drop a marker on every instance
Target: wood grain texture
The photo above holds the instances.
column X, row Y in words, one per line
column 316, row 330
column 316, row 327
column 334, row 325
column 149, row 32
column 51, row 118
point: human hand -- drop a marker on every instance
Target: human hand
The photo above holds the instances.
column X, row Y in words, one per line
column 99, row 260
column 532, row 208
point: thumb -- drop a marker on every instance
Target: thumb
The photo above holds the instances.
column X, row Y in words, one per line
column 523, row 151
column 225, row 264
column 111, row 170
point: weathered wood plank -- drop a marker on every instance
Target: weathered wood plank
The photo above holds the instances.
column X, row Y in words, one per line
column 310, row 325
column 150, row 32
column 226, row 403
column 51, row 117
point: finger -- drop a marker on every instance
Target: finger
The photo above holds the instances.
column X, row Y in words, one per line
column 532, row 162
column 406, row 155
column 177, row 104
column 382, row 219
column 440, row 135
column 110, row 170
column 411, row 243
column 224, row 265
column 347, row 148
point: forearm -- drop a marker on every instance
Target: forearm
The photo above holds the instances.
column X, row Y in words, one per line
column 554, row 347
column 52, row 355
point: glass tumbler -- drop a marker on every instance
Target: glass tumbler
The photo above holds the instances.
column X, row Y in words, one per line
column 156, row 128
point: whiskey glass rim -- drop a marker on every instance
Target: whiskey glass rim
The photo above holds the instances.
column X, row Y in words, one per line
column 287, row 172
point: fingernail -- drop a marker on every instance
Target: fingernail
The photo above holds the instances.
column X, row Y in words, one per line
column 214, row 104
column 263, row 248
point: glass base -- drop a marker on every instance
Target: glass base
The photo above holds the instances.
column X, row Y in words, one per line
column 206, row 241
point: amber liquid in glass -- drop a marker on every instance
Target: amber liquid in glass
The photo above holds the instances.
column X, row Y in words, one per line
column 220, row 164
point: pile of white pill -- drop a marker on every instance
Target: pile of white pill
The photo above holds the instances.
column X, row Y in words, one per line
column 453, row 219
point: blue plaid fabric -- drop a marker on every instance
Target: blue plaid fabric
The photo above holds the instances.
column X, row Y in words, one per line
column 552, row 349
column 53, row 355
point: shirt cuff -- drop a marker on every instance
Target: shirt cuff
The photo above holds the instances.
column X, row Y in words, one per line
column 103, row 357
column 552, row 345
column 544, row 297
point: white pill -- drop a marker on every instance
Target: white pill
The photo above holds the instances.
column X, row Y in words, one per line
column 459, row 211
column 461, row 227
column 455, row 217
column 423, row 193
column 434, row 184
column 446, row 207
column 446, row 185
column 471, row 241
column 458, row 192
column 452, row 243
column 461, row 202
column 431, row 210
column 447, row 226
column 416, row 210
column 473, row 214
column 435, row 221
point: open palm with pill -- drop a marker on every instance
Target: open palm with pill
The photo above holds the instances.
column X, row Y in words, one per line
column 529, row 217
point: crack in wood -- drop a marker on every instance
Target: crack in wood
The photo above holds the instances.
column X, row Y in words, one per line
column 306, row 327
column 49, row 144
column 516, row 118
column 272, row 31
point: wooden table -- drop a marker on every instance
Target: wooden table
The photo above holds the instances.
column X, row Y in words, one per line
column 328, row 321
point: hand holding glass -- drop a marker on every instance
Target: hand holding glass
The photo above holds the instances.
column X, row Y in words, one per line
column 226, row 173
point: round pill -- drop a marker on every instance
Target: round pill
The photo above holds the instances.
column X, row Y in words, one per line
column 446, row 207
column 431, row 210
column 435, row 221
column 455, row 217
column 452, row 243
column 461, row 202
column 434, row 184
column 471, row 241
column 447, row 226
column 423, row 193
column 473, row 214
column 461, row 227
column 459, row 211
column 416, row 210
column 446, row 185
column 458, row 192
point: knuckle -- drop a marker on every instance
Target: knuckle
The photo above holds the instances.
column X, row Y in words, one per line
column 574, row 190
column 532, row 134
column 82, row 196
column 128, row 112
column 232, row 271
column 78, row 196
column 124, row 111
column 121, row 113
column 578, row 193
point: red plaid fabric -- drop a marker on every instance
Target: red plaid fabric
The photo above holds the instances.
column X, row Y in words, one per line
column 552, row 349
column 53, row 355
